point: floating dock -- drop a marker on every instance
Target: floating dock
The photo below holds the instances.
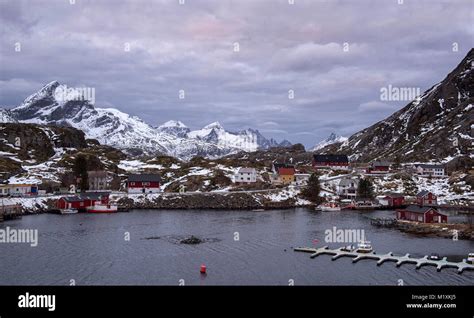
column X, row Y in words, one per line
column 356, row 256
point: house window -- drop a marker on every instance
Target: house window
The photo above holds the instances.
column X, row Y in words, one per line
column 132, row 183
column 146, row 183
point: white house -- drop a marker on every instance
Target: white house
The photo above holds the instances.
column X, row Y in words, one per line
column 347, row 187
column 430, row 170
column 246, row 175
column 18, row 189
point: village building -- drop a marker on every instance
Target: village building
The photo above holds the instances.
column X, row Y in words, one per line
column 379, row 167
column 347, row 187
column 430, row 170
column 283, row 173
column 393, row 200
column 98, row 180
column 426, row 197
column 335, row 162
column 71, row 202
column 422, row 214
column 246, row 175
column 302, row 178
column 143, row 183
column 83, row 200
column 18, row 189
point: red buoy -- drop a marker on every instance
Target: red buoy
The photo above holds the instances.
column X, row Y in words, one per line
column 203, row 269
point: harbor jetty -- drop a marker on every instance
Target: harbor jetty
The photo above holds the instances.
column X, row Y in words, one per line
column 356, row 256
column 10, row 212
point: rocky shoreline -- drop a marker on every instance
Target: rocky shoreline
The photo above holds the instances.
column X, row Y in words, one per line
column 450, row 231
column 227, row 201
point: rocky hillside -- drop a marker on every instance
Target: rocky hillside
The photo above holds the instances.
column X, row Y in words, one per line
column 38, row 152
column 426, row 129
column 59, row 105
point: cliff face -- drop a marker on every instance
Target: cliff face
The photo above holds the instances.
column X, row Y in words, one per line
column 37, row 143
column 27, row 145
column 437, row 126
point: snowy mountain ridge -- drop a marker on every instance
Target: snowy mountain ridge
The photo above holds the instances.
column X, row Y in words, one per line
column 332, row 139
column 56, row 104
column 436, row 126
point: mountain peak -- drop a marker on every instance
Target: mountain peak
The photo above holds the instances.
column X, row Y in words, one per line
column 214, row 125
column 434, row 127
column 333, row 138
column 173, row 123
column 46, row 91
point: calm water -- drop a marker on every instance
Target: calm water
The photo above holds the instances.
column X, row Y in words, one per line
column 91, row 249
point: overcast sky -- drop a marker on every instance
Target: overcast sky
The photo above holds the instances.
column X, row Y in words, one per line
column 335, row 56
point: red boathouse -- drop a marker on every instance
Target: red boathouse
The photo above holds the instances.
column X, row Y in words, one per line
column 422, row 214
column 82, row 201
column 426, row 198
column 395, row 200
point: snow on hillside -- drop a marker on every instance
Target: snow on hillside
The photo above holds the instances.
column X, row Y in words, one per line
column 332, row 139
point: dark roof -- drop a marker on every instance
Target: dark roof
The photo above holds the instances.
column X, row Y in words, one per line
column 72, row 199
column 282, row 165
column 430, row 166
column 330, row 158
column 420, row 209
column 144, row 178
column 97, row 174
column 395, row 195
column 93, row 195
column 422, row 193
column 381, row 164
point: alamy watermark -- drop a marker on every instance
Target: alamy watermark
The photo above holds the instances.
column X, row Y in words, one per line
column 393, row 93
column 65, row 94
column 336, row 235
column 9, row 235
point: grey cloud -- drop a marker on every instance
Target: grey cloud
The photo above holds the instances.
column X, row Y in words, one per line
column 190, row 47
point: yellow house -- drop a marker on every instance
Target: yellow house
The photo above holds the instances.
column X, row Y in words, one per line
column 283, row 173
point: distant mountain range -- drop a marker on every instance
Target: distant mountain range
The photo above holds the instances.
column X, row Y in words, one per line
column 436, row 126
column 129, row 133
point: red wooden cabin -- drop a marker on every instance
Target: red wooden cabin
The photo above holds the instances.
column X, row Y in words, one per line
column 422, row 214
column 426, row 198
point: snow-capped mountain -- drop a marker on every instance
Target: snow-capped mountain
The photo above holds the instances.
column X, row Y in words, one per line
column 175, row 128
column 435, row 126
column 56, row 104
column 6, row 116
column 332, row 139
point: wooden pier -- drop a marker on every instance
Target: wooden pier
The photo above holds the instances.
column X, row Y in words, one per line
column 10, row 212
column 356, row 256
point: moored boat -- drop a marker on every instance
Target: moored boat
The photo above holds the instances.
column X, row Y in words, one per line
column 102, row 208
column 470, row 258
column 366, row 205
column 68, row 211
column 330, row 207
column 364, row 247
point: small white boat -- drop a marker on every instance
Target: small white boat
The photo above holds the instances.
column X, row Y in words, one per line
column 348, row 248
column 329, row 207
column 364, row 247
column 68, row 211
column 470, row 258
column 366, row 205
column 434, row 257
column 102, row 208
